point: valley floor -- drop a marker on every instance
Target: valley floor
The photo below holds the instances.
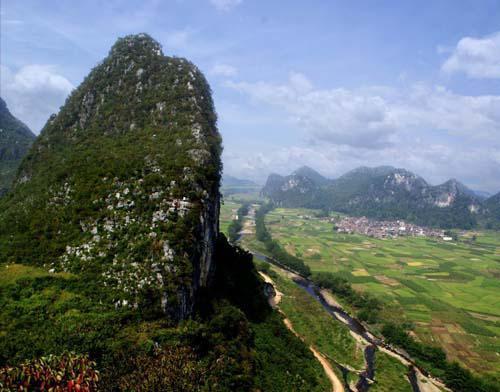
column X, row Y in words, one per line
column 447, row 291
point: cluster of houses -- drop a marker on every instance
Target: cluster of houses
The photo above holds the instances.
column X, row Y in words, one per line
column 385, row 229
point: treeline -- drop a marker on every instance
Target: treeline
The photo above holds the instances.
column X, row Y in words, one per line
column 367, row 306
column 233, row 231
column 434, row 358
column 272, row 246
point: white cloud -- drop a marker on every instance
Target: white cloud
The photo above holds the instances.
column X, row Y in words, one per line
column 433, row 161
column 225, row 5
column 223, row 70
column 256, row 165
column 428, row 129
column 33, row 93
column 476, row 57
column 377, row 117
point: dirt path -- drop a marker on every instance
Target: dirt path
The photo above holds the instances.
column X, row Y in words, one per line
column 337, row 385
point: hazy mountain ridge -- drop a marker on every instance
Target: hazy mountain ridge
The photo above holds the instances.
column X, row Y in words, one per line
column 15, row 140
column 232, row 185
column 381, row 192
column 492, row 207
column 230, row 181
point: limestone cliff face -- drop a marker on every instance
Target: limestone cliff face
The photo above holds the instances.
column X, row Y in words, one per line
column 123, row 183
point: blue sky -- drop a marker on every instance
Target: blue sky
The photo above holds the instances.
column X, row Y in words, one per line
column 330, row 84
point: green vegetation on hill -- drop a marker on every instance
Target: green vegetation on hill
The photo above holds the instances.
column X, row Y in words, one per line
column 116, row 183
column 235, row 342
column 15, row 140
column 390, row 374
column 493, row 216
column 282, row 361
column 110, row 251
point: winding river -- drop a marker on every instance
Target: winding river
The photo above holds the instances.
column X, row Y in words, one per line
column 418, row 378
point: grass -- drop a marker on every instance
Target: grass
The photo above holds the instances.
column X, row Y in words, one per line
column 10, row 273
column 227, row 214
column 437, row 286
column 390, row 375
column 317, row 326
column 284, row 362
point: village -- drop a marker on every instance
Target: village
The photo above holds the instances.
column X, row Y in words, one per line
column 384, row 229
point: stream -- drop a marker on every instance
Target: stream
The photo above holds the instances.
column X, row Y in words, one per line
column 367, row 376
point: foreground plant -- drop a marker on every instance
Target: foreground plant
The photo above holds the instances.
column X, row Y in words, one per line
column 67, row 372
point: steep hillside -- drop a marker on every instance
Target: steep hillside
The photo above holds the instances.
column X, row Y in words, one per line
column 292, row 191
column 15, row 140
column 110, row 255
column 492, row 214
column 382, row 192
column 306, row 171
column 129, row 168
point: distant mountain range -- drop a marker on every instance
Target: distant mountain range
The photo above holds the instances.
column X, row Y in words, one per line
column 230, row 181
column 385, row 192
column 231, row 185
column 15, row 140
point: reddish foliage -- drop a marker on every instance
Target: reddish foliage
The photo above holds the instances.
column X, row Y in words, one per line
column 63, row 373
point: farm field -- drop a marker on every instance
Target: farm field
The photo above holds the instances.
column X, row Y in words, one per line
column 448, row 291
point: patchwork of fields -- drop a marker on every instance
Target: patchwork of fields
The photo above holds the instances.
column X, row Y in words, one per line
column 450, row 292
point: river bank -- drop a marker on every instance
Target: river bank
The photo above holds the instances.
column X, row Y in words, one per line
column 417, row 378
column 274, row 300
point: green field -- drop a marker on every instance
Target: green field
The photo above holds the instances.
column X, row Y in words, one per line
column 227, row 213
column 317, row 326
column 449, row 291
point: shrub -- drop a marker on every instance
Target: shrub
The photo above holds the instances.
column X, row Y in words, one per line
column 67, row 372
column 168, row 369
